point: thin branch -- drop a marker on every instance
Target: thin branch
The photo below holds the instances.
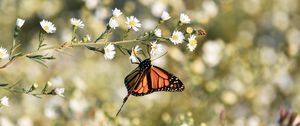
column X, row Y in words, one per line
column 69, row 45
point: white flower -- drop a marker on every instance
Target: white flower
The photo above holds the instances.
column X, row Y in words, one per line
column 156, row 49
column 116, row 12
column 77, row 22
column 135, row 50
column 109, row 51
column 3, row 53
column 184, row 18
column 177, row 37
column 48, row 26
column 4, row 101
column 165, row 16
column 113, row 23
column 59, row 91
column 133, row 23
column 20, row 22
column 157, row 32
column 192, row 43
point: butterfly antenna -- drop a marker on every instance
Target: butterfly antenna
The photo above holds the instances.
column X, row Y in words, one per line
column 160, row 56
column 124, row 101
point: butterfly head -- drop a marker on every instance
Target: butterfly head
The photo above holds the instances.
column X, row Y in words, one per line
column 146, row 64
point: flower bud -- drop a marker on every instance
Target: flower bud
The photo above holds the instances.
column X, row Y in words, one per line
column 189, row 30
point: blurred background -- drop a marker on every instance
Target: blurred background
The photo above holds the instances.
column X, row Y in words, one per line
column 242, row 71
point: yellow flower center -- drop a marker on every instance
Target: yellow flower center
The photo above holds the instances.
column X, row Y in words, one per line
column 174, row 37
column 46, row 28
column 132, row 23
column 193, row 42
column 1, row 55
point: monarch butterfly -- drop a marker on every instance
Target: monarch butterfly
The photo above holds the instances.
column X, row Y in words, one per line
column 147, row 78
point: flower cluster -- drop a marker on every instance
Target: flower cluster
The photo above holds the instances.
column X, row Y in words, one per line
column 151, row 39
column 133, row 24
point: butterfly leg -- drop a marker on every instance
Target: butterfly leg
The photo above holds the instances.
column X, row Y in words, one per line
column 124, row 101
column 129, row 92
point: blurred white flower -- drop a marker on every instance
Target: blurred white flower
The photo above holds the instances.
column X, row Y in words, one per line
column 91, row 4
column 4, row 101
column 148, row 24
column 116, row 12
column 158, row 7
column 59, row 91
column 177, row 37
column 184, row 18
column 79, row 83
column 268, row 56
column 135, row 50
column 184, row 124
column 210, row 8
column 77, row 22
column 293, row 37
column 102, row 13
column 50, row 112
column 25, row 121
column 4, row 121
column 157, row 32
column 109, row 51
column 229, row 97
column 156, row 49
column 56, row 81
column 192, row 43
column 20, row 22
column 113, row 23
column 78, row 103
column 48, row 26
column 51, row 107
column 133, row 23
column 165, row 16
column 281, row 20
column 213, row 52
column 3, row 53
column 253, row 121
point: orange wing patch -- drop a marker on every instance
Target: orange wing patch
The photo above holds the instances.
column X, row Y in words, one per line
column 157, row 79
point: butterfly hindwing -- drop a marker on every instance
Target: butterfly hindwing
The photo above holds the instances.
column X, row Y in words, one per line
column 132, row 78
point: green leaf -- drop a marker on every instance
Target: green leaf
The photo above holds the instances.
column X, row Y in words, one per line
column 3, row 85
column 95, row 49
column 42, row 62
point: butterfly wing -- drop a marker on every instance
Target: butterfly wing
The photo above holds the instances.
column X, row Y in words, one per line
column 132, row 79
column 157, row 79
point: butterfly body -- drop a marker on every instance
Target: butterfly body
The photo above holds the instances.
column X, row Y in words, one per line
column 147, row 78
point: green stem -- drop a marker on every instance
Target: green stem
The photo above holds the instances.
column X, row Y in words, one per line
column 41, row 39
column 102, row 35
